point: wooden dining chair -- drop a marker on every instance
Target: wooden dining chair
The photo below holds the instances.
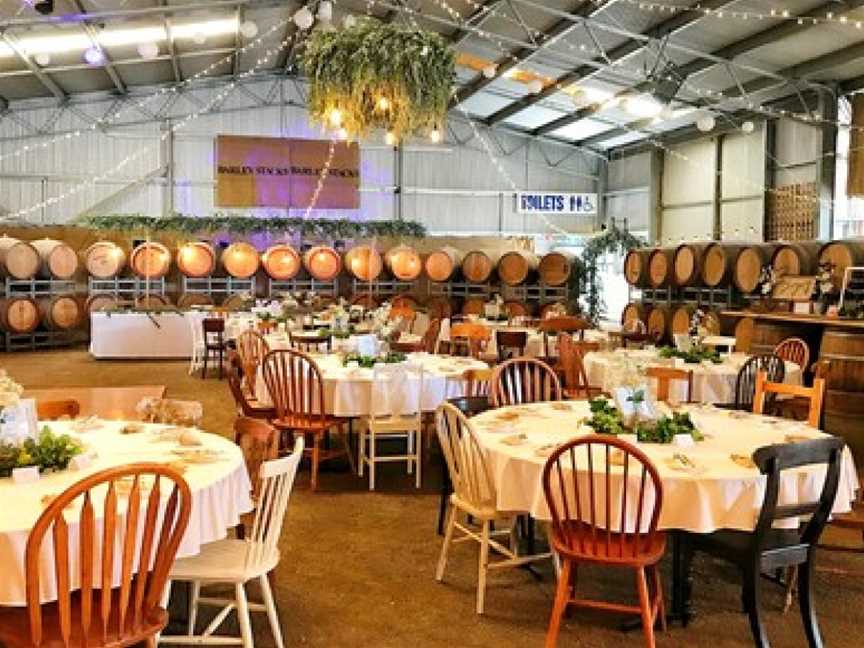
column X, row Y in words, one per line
column 562, row 324
column 245, row 404
column 605, row 497
column 57, row 409
column 745, row 381
column 259, row 442
column 665, row 376
column 251, row 347
column 426, row 344
column 510, row 344
column 470, row 339
column 767, row 548
column 477, row 381
column 794, row 350
column 309, row 342
column 405, row 313
column 238, row 562
column 474, row 494
column 814, row 394
column 144, row 510
column 213, row 329
column 571, row 354
column 524, row 380
column 296, row 388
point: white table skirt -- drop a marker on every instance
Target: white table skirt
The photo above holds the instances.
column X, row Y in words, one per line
column 220, row 494
column 348, row 392
column 711, row 383
column 139, row 335
column 721, row 495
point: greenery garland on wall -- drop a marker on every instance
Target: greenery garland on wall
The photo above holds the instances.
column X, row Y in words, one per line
column 585, row 277
column 244, row 225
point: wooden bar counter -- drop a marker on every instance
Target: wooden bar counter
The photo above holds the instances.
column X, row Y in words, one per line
column 839, row 341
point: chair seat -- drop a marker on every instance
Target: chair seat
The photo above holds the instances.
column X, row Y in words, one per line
column 736, row 546
column 223, row 561
column 484, row 512
column 393, row 423
column 582, row 546
column 15, row 626
column 307, row 423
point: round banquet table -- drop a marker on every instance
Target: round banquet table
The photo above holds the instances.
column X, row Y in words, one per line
column 718, row 494
column 712, row 383
column 220, row 494
column 348, row 392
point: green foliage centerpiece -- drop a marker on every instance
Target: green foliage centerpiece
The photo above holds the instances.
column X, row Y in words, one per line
column 379, row 75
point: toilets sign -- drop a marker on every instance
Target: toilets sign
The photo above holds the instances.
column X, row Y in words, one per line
column 556, row 203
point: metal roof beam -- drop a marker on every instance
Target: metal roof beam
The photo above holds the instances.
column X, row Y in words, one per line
column 172, row 52
column 107, row 65
column 238, row 42
column 561, row 27
column 477, row 18
column 46, row 80
column 772, row 34
column 663, row 29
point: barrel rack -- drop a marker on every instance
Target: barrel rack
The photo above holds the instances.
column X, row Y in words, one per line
column 39, row 339
column 277, row 286
column 459, row 289
column 130, row 287
column 218, row 285
column 539, row 292
column 383, row 287
column 721, row 297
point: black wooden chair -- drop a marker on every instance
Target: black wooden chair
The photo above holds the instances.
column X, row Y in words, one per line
column 511, row 344
column 214, row 343
column 469, row 406
column 768, row 549
column 745, row 382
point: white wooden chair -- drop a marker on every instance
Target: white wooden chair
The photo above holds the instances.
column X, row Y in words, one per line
column 396, row 413
column 474, row 494
column 237, row 562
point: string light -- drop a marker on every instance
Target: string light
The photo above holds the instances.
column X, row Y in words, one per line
column 322, row 178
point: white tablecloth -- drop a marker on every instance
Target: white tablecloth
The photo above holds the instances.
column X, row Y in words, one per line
column 220, row 494
column 534, row 340
column 348, row 392
column 712, row 383
column 139, row 335
column 720, row 494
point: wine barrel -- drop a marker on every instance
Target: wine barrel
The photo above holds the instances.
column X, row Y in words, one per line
column 718, row 263
column 473, row 306
column 477, row 266
column 440, row 308
column 234, row 302
column 844, row 403
column 281, row 262
column 842, row 254
column 152, row 301
column 188, row 300
column 365, row 300
column 150, row 260
column 555, row 306
column 681, row 317
column 744, row 334
column 404, row 301
column 443, row 264
column 364, row 263
column 660, row 267
column 687, row 264
column 60, row 313
column 636, row 267
column 767, row 335
column 516, row 267
column 749, row 263
column 18, row 259
column 659, row 323
column 18, row 315
column 196, row 259
column 99, row 302
column 241, row 260
column 404, row 263
column 57, row 260
column 635, row 311
column 516, row 308
column 104, row 260
column 800, row 258
column 555, row 268
column 323, row 263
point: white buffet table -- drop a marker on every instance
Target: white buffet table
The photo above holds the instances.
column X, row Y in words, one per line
column 140, row 335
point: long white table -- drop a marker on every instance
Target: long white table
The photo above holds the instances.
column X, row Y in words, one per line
column 140, row 335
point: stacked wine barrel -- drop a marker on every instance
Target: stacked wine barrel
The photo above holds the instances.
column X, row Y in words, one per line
column 43, row 259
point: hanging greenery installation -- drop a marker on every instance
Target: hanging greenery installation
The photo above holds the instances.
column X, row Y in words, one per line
column 379, row 75
column 323, row 228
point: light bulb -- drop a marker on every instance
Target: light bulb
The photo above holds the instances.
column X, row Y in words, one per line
column 303, row 18
column 383, row 103
column 335, row 118
column 390, row 139
column 489, row 71
column 435, row 135
column 94, row 56
column 535, row 86
column 706, row 123
column 249, row 29
column 148, row 51
column 43, row 59
column 748, row 127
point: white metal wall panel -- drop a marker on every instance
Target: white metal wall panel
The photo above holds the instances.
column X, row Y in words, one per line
column 686, row 223
column 629, row 172
column 634, row 206
column 688, row 173
column 743, row 165
column 797, row 146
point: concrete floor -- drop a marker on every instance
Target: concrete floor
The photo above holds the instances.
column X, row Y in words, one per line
column 357, row 567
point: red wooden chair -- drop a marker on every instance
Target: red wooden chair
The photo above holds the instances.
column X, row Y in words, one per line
column 794, row 350
column 309, row 342
column 571, row 354
column 297, row 390
column 523, row 380
column 562, row 324
column 105, row 615
column 605, row 496
column 251, row 348
column 246, row 405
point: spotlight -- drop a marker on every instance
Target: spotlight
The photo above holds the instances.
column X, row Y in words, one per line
column 44, row 7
